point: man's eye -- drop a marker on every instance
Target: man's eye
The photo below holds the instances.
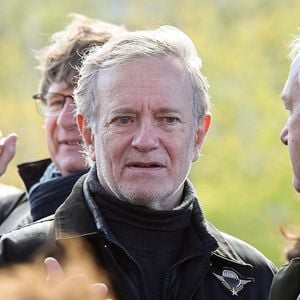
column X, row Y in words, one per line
column 170, row 120
column 55, row 105
column 124, row 120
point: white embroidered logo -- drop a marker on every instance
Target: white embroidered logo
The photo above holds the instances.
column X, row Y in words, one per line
column 231, row 280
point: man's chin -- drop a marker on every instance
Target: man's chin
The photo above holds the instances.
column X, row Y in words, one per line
column 71, row 167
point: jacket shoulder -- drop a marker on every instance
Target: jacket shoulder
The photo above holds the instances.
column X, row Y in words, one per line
column 16, row 215
column 248, row 253
column 246, row 260
column 241, row 252
column 24, row 244
column 9, row 200
column 286, row 284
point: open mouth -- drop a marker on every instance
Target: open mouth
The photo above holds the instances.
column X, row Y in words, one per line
column 70, row 143
column 142, row 165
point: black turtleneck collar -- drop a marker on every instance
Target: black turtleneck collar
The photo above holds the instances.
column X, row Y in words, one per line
column 114, row 209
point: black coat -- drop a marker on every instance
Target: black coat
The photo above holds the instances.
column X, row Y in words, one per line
column 213, row 265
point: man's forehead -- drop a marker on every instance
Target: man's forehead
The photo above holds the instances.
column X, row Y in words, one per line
column 293, row 78
column 295, row 68
column 153, row 62
column 143, row 73
column 286, row 89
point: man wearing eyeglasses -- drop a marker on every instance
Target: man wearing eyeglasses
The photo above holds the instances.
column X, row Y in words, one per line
column 49, row 182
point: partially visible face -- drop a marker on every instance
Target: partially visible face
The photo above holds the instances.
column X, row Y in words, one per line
column 290, row 134
column 63, row 138
column 145, row 140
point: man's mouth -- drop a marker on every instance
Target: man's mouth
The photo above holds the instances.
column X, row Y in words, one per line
column 145, row 165
column 70, row 143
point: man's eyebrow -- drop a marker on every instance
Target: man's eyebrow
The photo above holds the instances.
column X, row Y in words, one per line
column 121, row 110
column 168, row 110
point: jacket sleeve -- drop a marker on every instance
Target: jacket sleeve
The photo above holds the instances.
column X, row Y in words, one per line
column 34, row 241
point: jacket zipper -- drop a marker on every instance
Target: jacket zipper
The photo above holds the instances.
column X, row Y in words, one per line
column 96, row 214
column 130, row 257
column 181, row 261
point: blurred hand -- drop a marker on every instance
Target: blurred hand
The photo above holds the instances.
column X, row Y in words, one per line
column 62, row 284
column 7, row 150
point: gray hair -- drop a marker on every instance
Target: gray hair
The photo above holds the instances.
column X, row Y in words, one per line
column 295, row 48
column 164, row 41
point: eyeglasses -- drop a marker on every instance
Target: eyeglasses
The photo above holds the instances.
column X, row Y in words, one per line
column 50, row 104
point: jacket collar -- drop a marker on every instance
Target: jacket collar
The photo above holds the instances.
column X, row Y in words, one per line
column 216, row 241
column 73, row 219
column 225, row 252
column 31, row 172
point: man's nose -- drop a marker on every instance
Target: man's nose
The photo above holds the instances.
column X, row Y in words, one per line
column 284, row 134
column 66, row 117
column 145, row 137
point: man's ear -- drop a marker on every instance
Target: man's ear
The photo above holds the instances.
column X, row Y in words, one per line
column 200, row 134
column 87, row 135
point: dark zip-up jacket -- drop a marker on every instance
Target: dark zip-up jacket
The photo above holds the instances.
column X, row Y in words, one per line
column 213, row 265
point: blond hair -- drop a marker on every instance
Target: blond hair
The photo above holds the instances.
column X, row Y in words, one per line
column 61, row 60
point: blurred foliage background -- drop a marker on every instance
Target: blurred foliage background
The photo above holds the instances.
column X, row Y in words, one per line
column 243, row 178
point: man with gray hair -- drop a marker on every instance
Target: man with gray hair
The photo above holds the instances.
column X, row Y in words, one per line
column 142, row 108
column 286, row 284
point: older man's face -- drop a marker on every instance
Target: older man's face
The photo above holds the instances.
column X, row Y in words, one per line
column 290, row 134
column 145, row 140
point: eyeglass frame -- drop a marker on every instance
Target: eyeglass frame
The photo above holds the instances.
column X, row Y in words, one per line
column 41, row 103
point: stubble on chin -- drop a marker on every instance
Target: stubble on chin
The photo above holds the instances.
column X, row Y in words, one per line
column 155, row 201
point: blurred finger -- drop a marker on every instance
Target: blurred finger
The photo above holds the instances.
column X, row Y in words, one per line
column 55, row 273
column 99, row 290
column 72, row 286
column 7, row 151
